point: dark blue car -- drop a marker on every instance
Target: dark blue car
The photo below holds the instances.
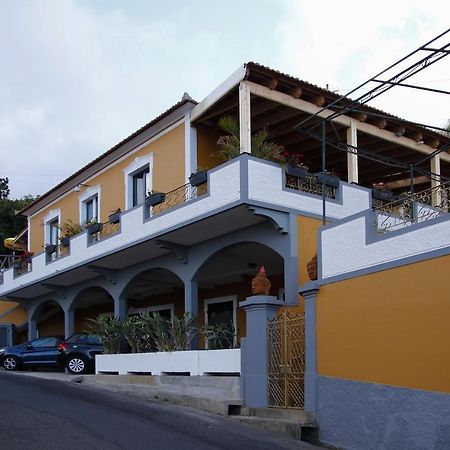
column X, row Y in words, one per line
column 40, row 352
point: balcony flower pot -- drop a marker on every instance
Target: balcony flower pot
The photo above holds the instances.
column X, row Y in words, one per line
column 50, row 248
column 330, row 180
column 384, row 196
column 65, row 241
column 114, row 218
column 296, row 171
column 95, row 228
column 198, row 178
column 154, row 199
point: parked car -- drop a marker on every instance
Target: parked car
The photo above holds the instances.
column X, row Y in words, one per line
column 40, row 352
column 77, row 353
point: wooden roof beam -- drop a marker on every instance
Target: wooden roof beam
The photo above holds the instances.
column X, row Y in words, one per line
column 310, row 108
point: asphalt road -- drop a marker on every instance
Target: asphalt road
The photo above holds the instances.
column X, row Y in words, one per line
column 38, row 414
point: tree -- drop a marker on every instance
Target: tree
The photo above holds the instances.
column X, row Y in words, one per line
column 4, row 188
column 10, row 224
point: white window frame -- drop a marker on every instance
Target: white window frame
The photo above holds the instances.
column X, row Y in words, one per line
column 50, row 217
column 91, row 192
column 210, row 301
column 140, row 163
column 146, row 309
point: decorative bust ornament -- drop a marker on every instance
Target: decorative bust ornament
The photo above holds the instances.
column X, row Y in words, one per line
column 311, row 267
column 261, row 284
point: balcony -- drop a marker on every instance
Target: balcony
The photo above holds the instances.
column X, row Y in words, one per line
column 233, row 197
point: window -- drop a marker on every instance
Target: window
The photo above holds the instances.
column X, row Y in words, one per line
column 51, row 228
column 165, row 311
column 53, row 231
column 138, row 180
column 90, row 205
column 140, row 186
column 90, row 214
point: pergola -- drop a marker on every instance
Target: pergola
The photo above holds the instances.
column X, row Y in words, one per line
column 263, row 98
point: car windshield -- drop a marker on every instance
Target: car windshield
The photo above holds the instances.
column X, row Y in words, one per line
column 84, row 339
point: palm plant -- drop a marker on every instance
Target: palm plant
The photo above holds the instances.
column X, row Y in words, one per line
column 229, row 145
column 110, row 331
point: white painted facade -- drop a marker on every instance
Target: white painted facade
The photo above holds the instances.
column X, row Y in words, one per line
column 194, row 362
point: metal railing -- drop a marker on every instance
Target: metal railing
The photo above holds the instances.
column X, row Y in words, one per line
column 411, row 209
column 178, row 196
column 106, row 229
column 309, row 184
column 22, row 264
column 6, row 261
column 59, row 252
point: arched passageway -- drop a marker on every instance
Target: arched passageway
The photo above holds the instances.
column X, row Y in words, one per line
column 224, row 280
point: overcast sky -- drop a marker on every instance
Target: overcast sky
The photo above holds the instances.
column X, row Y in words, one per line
column 77, row 76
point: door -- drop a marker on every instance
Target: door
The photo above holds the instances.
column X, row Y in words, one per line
column 220, row 319
column 41, row 351
column 286, row 371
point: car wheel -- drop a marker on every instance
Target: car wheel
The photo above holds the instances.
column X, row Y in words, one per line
column 76, row 365
column 11, row 363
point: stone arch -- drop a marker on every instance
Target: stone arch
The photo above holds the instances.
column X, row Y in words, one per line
column 88, row 303
column 46, row 318
column 158, row 287
column 224, row 280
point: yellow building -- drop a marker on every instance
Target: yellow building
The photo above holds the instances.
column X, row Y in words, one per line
column 131, row 232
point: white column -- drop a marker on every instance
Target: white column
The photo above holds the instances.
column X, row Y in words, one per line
column 244, row 118
column 436, row 193
column 352, row 158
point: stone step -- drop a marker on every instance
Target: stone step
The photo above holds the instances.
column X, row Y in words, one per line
column 291, row 428
column 297, row 415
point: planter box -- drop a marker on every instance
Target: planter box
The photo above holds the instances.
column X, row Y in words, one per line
column 330, row 180
column 65, row 241
column 95, row 228
column 299, row 172
column 155, row 199
column 50, row 248
column 114, row 218
column 198, row 178
column 385, row 196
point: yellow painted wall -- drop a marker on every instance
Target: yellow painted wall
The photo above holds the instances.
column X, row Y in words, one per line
column 306, row 248
column 168, row 174
column 207, row 147
column 390, row 327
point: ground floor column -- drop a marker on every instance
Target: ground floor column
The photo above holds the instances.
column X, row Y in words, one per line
column 32, row 327
column 191, row 305
column 69, row 323
column 259, row 310
column 121, row 308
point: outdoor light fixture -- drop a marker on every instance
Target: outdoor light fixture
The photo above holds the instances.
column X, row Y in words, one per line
column 77, row 188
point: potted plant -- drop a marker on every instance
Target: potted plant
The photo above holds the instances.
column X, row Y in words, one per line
column 114, row 217
column 93, row 226
column 68, row 230
column 198, row 177
column 154, row 198
column 379, row 192
column 294, row 164
column 229, row 145
column 329, row 179
column 50, row 248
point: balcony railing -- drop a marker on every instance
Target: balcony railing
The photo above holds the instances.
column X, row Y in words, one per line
column 178, row 196
column 22, row 264
column 56, row 251
column 309, row 184
column 411, row 209
column 6, row 261
column 106, row 229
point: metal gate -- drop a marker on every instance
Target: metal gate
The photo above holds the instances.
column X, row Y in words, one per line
column 286, row 371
